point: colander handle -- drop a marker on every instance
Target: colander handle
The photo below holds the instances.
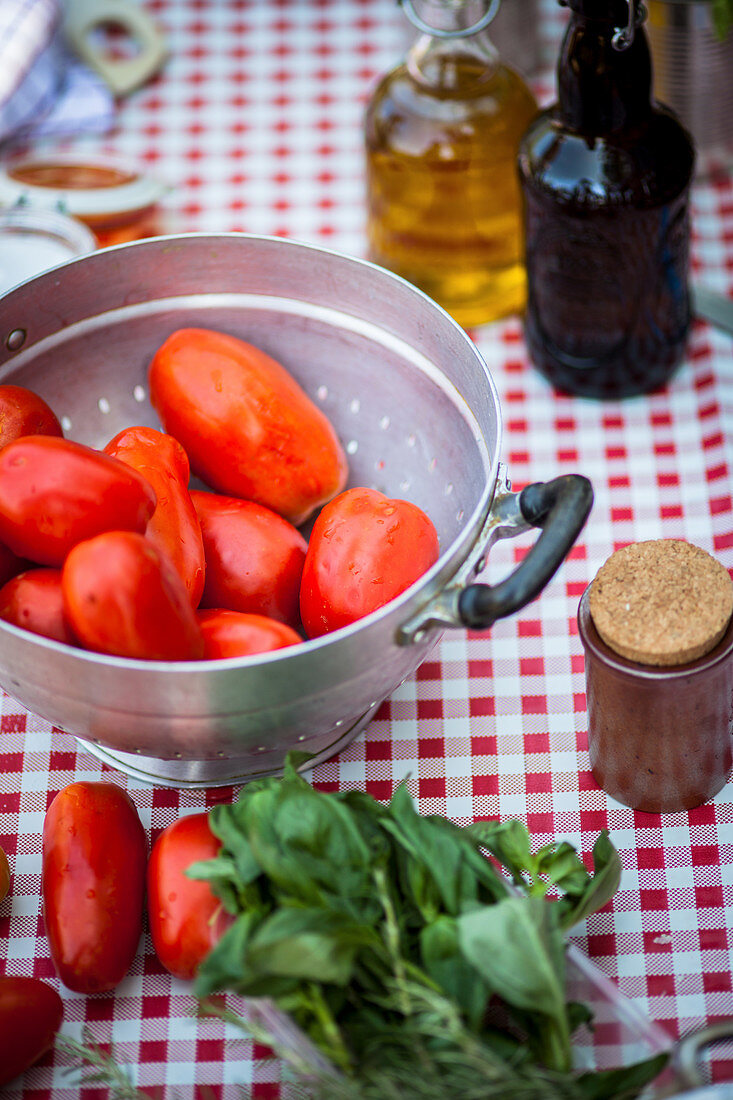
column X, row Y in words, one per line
column 560, row 508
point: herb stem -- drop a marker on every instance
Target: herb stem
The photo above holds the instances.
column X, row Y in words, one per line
column 337, row 1050
column 556, row 1051
column 392, row 940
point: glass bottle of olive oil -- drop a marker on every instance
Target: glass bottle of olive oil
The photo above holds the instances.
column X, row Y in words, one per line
column 442, row 136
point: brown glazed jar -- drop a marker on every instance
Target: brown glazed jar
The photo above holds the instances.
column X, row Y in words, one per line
column 660, row 713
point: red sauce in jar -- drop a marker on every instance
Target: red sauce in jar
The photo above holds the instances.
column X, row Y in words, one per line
column 110, row 226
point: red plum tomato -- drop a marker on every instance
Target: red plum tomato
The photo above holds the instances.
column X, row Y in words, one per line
column 54, row 493
column 123, row 597
column 23, row 412
column 237, row 634
column 186, row 919
column 93, row 884
column 33, row 600
column 248, row 427
column 11, row 564
column 364, row 550
column 254, row 557
column 174, row 527
column 31, row 1013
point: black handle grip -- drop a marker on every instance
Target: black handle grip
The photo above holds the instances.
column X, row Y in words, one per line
column 560, row 507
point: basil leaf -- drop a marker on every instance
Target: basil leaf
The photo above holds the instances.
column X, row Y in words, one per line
column 601, row 886
column 221, row 875
column 621, row 1084
column 561, row 866
column 225, row 966
column 451, row 971
column 227, row 823
column 508, row 842
column 518, row 948
column 308, row 846
column 440, row 865
column 310, row 944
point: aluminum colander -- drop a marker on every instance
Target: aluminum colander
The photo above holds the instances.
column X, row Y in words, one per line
column 418, row 415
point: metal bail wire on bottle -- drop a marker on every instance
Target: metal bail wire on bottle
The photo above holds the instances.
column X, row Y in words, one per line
column 437, row 32
column 623, row 37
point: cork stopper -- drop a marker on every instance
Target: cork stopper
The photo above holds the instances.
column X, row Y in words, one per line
column 663, row 602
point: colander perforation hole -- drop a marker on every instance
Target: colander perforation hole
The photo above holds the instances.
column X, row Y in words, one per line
column 322, row 393
column 352, row 447
column 384, row 423
column 66, row 423
column 354, row 405
column 103, row 405
column 139, row 394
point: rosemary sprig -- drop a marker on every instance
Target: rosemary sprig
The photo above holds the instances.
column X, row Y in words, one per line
column 97, row 1066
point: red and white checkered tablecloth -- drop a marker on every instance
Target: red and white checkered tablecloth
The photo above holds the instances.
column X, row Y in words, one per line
column 256, row 124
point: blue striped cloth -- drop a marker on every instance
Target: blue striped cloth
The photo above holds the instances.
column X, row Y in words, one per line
column 44, row 88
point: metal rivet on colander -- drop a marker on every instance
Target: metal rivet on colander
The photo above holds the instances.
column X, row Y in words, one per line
column 15, row 339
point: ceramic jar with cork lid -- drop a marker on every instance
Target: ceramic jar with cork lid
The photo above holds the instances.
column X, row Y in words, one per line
column 657, row 635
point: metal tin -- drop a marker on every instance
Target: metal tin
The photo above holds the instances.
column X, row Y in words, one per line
column 693, row 69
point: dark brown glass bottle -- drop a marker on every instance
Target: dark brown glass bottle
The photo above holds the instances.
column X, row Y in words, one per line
column 606, row 176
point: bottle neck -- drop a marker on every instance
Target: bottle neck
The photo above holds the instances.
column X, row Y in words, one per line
column 603, row 87
column 451, row 61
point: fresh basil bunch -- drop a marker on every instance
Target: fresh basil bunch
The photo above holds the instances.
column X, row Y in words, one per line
column 400, row 949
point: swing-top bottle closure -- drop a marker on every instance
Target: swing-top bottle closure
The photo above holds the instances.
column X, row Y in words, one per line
column 623, row 37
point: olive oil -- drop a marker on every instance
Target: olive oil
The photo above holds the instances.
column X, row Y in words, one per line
column 443, row 201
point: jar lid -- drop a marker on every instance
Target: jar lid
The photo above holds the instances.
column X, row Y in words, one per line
column 32, row 241
column 90, row 188
column 662, row 602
